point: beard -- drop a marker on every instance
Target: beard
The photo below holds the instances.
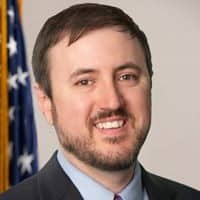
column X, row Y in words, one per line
column 83, row 146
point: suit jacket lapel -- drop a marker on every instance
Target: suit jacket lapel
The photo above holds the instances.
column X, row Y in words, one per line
column 155, row 188
column 54, row 184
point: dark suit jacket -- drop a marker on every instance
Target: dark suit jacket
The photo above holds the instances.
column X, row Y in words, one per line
column 51, row 183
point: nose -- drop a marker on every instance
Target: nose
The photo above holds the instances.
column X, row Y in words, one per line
column 110, row 97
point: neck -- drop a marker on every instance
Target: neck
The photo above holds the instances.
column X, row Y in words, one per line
column 115, row 181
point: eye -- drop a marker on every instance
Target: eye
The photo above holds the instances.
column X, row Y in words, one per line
column 84, row 82
column 128, row 77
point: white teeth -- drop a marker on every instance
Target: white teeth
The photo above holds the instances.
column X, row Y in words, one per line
column 110, row 125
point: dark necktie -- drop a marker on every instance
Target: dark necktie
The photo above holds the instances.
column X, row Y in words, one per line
column 117, row 197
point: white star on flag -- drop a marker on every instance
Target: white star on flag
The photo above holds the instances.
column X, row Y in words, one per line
column 11, row 14
column 25, row 161
column 12, row 46
column 11, row 113
column 22, row 76
column 12, row 81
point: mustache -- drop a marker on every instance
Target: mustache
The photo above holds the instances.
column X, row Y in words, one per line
column 122, row 112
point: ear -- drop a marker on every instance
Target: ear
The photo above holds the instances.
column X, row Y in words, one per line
column 44, row 103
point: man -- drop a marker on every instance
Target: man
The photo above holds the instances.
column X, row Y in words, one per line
column 93, row 70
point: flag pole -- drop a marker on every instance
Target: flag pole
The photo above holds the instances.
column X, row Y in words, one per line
column 4, row 168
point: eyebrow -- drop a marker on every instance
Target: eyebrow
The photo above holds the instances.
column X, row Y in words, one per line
column 129, row 65
column 81, row 72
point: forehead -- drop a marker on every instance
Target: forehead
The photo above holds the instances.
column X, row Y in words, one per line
column 101, row 49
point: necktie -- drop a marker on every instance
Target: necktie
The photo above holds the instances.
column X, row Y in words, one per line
column 117, row 197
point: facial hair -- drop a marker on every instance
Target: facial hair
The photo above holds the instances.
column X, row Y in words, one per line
column 83, row 146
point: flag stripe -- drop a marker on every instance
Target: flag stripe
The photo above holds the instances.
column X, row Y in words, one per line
column 19, row 4
column 4, row 169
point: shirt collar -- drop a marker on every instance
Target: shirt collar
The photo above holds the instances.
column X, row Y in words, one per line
column 90, row 189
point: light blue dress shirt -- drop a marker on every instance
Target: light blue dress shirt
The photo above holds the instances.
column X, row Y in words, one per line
column 91, row 189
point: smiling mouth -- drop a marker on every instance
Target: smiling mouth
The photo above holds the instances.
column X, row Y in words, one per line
column 115, row 124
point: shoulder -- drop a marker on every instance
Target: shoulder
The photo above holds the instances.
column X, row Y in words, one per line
column 173, row 185
column 27, row 189
column 30, row 188
column 49, row 183
column 159, row 185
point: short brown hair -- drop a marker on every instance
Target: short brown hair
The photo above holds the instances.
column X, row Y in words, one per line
column 76, row 21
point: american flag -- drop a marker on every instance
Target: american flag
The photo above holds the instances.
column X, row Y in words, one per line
column 23, row 143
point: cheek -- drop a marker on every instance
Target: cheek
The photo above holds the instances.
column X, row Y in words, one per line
column 72, row 111
column 139, row 103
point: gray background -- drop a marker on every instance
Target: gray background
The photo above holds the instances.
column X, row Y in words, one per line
column 172, row 148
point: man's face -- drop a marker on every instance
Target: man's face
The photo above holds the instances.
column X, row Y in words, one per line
column 101, row 98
